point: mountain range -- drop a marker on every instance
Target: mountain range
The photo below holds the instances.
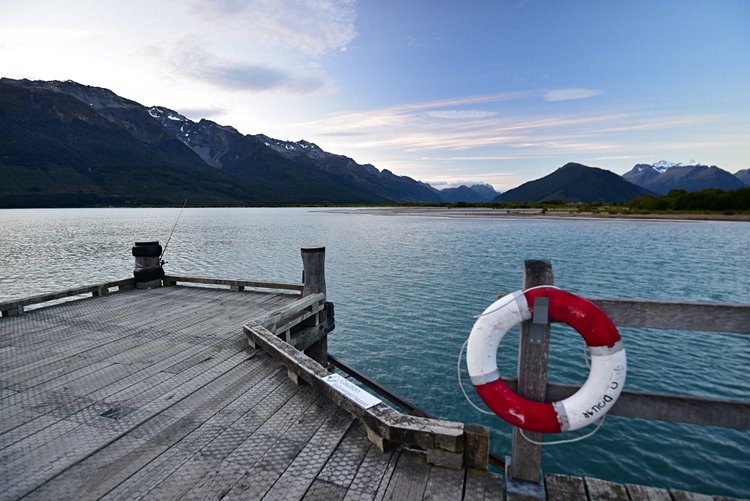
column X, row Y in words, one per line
column 67, row 144
column 64, row 144
column 664, row 176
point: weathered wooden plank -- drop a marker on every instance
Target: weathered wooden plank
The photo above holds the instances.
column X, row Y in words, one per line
column 274, row 414
column 676, row 315
column 40, row 439
column 673, row 315
column 343, row 465
column 321, row 490
column 526, row 457
column 564, row 487
column 300, row 474
column 269, row 451
column 60, row 453
column 125, row 456
column 102, row 340
column 483, row 485
column 476, row 447
column 369, row 477
column 668, row 407
column 30, row 427
column 606, row 490
column 291, row 310
column 644, row 493
column 118, row 460
column 143, row 396
column 679, row 495
column 18, row 417
column 409, row 479
column 236, row 428
column 444, row 484
column 35, row 467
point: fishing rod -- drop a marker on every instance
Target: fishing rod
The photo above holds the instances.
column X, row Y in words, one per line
column 161, row 261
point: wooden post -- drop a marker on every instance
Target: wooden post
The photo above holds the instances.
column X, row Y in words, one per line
column 314, row 270
column 148, row 271
column 314, row 278
column 526, row 458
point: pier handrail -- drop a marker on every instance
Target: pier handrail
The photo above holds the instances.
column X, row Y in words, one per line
column 675, row 315
column 15, row 307
column 234, row 284
column 711, row 318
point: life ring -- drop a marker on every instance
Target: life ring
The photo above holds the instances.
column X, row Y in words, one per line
column 592, row 401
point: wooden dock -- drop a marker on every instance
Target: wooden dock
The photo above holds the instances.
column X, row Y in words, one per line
column 183, row 392
column 155, row 394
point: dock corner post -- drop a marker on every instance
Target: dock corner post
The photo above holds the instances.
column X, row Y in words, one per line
column 148, row 270
column 314, row 278
column 526, row 457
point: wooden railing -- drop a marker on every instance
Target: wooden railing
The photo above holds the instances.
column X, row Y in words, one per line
column 300, row 324
column 525, row 465
column 235, row 285
column 16, row 307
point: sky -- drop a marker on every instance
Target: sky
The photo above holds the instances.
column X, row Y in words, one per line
column 448, row 92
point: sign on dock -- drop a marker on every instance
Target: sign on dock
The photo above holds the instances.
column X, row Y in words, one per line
column 354, row 392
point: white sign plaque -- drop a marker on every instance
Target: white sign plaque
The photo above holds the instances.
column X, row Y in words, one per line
column 354, row 392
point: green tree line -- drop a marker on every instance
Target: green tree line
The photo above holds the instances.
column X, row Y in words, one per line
column 712, row 199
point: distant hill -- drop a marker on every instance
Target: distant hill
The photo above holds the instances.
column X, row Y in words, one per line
column 476, row 193
column 67, row 144
column 575, row 183
column 743, row 175
column 664, row 176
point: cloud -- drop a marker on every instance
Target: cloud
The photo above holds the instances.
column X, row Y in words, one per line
column 198, row 113
column 571, row 94
column 462, row 114
column 403, row 114
column 312, row 26
column 199, row 64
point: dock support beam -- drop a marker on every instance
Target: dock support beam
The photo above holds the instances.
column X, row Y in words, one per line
column 314, row 281
column 533, row 355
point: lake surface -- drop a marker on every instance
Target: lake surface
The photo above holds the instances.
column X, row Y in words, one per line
column 407, row 289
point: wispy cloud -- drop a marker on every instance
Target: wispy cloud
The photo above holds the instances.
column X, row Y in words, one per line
column 402, row 114
column 198, row 113
column 571, row 94
column 312, row 26
column 462, row 114
column 473, row 133
column 197, row 63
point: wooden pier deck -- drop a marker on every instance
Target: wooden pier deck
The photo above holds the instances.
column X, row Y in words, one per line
column 155, row 394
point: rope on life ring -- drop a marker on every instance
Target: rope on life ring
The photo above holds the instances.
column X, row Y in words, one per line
column 591, row 402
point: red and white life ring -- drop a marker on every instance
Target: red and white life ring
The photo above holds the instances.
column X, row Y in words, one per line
column 597, row 395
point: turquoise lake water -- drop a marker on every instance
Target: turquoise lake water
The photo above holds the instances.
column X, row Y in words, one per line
column 406, row 291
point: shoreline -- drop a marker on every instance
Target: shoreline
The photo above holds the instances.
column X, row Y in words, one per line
column 467, row 213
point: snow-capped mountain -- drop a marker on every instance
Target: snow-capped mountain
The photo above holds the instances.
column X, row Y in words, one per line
column 299, row 163
column 663, row 176
column 663, row 166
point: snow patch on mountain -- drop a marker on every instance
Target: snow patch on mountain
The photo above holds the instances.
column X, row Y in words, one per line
column 663, row 166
